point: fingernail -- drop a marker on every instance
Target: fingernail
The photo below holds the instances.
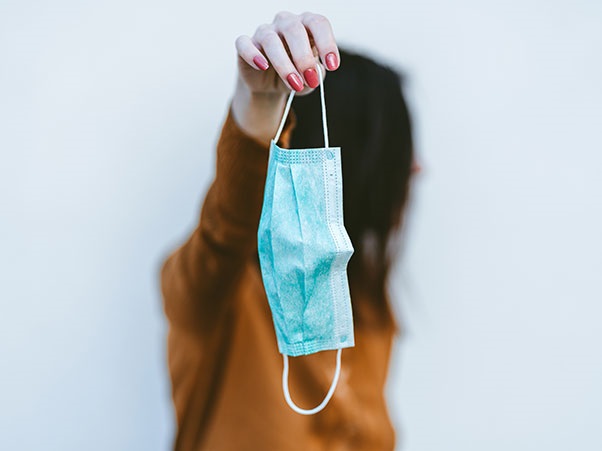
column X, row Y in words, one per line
column 311, row 77
column 332, row 62
column 261, row 62
column 295, row 82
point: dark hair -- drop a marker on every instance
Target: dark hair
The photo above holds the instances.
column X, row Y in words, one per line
column 368, row 118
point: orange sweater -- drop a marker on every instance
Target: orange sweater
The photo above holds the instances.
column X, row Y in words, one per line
column 222, row 353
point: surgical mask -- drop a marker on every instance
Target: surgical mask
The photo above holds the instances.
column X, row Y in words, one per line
column 304, row 250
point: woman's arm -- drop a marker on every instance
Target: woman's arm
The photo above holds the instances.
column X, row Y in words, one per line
column 198, row 277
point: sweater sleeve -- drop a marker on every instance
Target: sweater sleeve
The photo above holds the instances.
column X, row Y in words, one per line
column 199, row 276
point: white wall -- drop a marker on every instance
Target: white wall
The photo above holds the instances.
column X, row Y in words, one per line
column 109, row 112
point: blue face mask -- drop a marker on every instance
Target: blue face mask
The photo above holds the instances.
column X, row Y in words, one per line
column 304, row 250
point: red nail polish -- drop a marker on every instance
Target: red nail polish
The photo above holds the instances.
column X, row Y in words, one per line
column 261, row 62
column 295, row 82
column 311, row 77
column 332, row 62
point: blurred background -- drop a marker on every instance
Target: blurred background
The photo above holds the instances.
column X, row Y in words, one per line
column 109, row 114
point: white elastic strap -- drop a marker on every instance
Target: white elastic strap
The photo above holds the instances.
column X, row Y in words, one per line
column 288, row 107
column 324, row 125
column 333, row 386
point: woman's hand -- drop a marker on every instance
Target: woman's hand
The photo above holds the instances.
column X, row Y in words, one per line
column 282, row 55
column 279, row 57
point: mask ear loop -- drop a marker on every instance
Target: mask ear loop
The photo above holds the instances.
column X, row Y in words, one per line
column 323, row 102
column 325, row 401
column 337, row 372
column 287, row 108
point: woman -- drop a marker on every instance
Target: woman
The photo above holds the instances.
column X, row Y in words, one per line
column 223, row 358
